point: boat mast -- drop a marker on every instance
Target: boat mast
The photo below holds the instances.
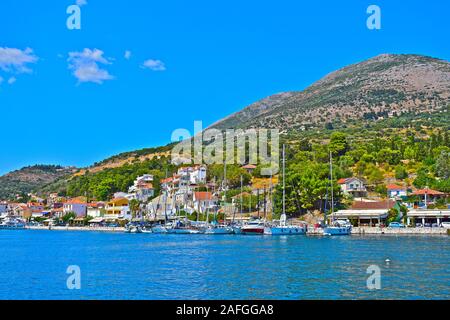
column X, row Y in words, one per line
column 284, row 183
column 331, row 185
column 224, row 189
column 241, row 194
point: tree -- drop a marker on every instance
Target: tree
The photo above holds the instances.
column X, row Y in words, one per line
column 338, row 143
column 134, row 207
column 442, row 167
column 400, row 172
column 69, row 216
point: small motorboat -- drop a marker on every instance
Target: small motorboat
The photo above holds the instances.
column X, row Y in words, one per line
column 254, row 227
column 338, row 228
column 133, row 229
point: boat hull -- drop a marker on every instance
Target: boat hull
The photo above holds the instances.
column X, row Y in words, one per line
column 183, row 231
column 224, row 230
column 287, row 230
column 252, row 230
column 159, row 229
column 12, row 227
column 337, row 231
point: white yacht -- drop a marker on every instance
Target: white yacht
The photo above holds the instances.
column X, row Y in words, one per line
column 12, row 223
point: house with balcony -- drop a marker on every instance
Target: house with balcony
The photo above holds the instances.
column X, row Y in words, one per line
column 353, row 186
column 117, row 209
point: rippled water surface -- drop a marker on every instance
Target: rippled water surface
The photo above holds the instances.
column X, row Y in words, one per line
column 33, row 265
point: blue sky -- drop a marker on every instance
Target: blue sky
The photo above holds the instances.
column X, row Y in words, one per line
column 73, row 98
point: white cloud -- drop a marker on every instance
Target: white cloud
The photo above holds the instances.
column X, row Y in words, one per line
column 15, row 60
column 81, row 2
column 85, row 66
column 12, row 80
column 127, row 54
column 155, row 65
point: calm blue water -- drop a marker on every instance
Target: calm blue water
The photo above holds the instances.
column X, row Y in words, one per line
column 33, row 265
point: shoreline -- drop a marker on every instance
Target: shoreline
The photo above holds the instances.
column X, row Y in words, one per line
column 313, row 232
column 102, row 229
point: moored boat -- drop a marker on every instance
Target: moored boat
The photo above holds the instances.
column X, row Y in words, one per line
column 283, row 229
column 133, row 229
column 158, row 228
column 12, row 223
column 219, row 229
column 254, row 227
column 338, row 228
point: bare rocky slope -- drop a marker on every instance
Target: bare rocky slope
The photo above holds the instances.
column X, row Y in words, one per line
column 385, row 86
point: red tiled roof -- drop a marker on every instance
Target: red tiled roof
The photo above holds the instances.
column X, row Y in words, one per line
column 145, row 185
column 203, row 195
column 428, row 192
column 166, row 180
column 366, row 205
column 395, row 187
column 342, row 180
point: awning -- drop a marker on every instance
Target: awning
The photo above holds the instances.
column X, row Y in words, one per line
column 96, row 220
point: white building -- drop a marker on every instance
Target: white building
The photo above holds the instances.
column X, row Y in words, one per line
column 353, row 186
column 142, row 189
column 198, row 175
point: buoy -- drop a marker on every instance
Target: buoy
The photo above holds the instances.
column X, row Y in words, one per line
column 387, row 261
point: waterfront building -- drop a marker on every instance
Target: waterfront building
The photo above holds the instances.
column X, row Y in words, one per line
column 428, row 217
column 427, row 196
column 95, row 209
column 117, row 209
column 76, row 205
column 368, row 213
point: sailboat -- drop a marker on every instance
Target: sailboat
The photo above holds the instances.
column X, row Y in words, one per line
column 159, row 228
column 336, row 227
column 214, row 227
column 282, row 228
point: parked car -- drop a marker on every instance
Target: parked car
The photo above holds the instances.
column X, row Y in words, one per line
column 445, row 225
column 419, row 225
column 435, row 225
column 396, row 225
column 427, row 225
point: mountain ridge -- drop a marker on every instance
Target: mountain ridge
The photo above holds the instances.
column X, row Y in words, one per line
column 387, row 83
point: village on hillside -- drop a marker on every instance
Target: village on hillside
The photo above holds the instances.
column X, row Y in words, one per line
column 188, row 193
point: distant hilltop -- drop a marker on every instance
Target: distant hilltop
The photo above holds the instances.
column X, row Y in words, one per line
column 30, row 178
column 385, row 86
